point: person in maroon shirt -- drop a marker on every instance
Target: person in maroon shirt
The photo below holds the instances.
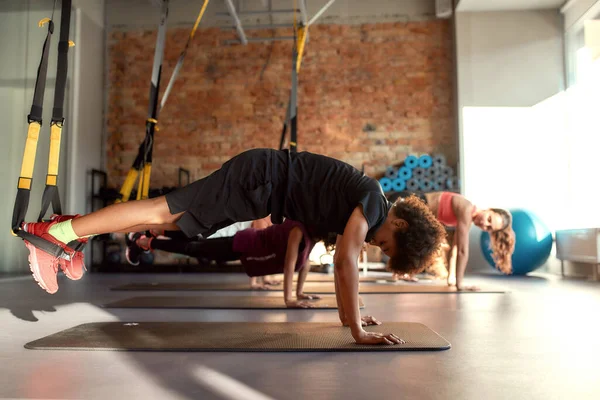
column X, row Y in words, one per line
column 276, row 249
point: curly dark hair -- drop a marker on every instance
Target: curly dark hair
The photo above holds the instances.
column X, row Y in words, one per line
column 417, row 246
column 502, row 242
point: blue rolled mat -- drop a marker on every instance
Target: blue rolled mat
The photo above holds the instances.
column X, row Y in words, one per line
column 418, row 173
column 439, row 159
column 386, row 184
column 411, row 162
column 398, row 185
column 425, row 161
column 425, row 185
column 412, row 184
column 391, row 173
column 404, row 173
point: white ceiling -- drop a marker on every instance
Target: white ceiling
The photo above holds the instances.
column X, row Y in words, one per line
column 507, row 5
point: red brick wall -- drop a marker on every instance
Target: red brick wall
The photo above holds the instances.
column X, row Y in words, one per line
column 393, row 77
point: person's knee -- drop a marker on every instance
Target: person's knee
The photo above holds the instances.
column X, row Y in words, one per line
column 161, row 213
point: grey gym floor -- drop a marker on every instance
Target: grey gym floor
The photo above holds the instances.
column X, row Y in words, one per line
column 539, row 341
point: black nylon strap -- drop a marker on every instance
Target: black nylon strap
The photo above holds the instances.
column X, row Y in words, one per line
column 144, row 154
column 62, row 65
column 50, row 196
column 20, row 208
column 40, row 81
column 44, row 245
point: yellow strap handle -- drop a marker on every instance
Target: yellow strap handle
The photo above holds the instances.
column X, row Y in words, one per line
column 140, row 186
column 43, row 21
column 33, row 134
column 301, row 41
column 193, row 32
column 127, row 187
column 54, row 155
column 146, row 179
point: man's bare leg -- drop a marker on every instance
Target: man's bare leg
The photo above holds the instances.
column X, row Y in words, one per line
column 126, row 217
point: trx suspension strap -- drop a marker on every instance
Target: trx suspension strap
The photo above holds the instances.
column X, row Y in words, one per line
column 33, row 132
column 292, row 110
column 35, row 122
column 145, row 149
column 175, row 73
column 143, row 161
column 51, row 195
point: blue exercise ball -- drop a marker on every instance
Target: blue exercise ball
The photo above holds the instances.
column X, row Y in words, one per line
column 533, row 242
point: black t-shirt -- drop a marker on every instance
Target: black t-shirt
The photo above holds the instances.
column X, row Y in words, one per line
column 323, row 192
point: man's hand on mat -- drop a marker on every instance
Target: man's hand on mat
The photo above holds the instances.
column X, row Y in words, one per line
column 468, row 289
column 298, row 304
column 368, row 320
column 377, row 338
column 302, row 296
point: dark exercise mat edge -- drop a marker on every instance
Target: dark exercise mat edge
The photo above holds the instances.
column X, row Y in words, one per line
column 359, row 348
column 410, row 289
column 118, row 304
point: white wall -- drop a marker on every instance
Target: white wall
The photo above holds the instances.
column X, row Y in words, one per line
column 511, row 114
column 88, row 144
column 21, row 42
column 509, row 59
column 578, row 11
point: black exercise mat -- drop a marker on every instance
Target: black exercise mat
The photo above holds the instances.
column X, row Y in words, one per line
column 220, row 302
column 233, row 336
column 309, row 287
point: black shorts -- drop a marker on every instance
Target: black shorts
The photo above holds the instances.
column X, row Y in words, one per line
column 250, row 186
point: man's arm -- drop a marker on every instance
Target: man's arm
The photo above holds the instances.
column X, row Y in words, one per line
column 346, row 271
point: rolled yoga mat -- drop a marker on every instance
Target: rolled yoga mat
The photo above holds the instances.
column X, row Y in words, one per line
column 439, row 159
column 432, row 173
column 398, row 185
column 447, row 171
column 309, row 287
column 386, row 184
column 412, row 184
column 404, row 173
column 425, row 161
column 391, row 173
column 418, row 173
column 221, row 302
column 411, row 162
column 425, row 185
column 233, row 336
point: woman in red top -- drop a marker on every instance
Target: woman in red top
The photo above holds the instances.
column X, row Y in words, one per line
column 276, row 249
column 455, row 211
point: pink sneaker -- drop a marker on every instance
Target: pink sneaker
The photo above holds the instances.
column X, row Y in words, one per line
column 44, row 266
column 75, row 267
